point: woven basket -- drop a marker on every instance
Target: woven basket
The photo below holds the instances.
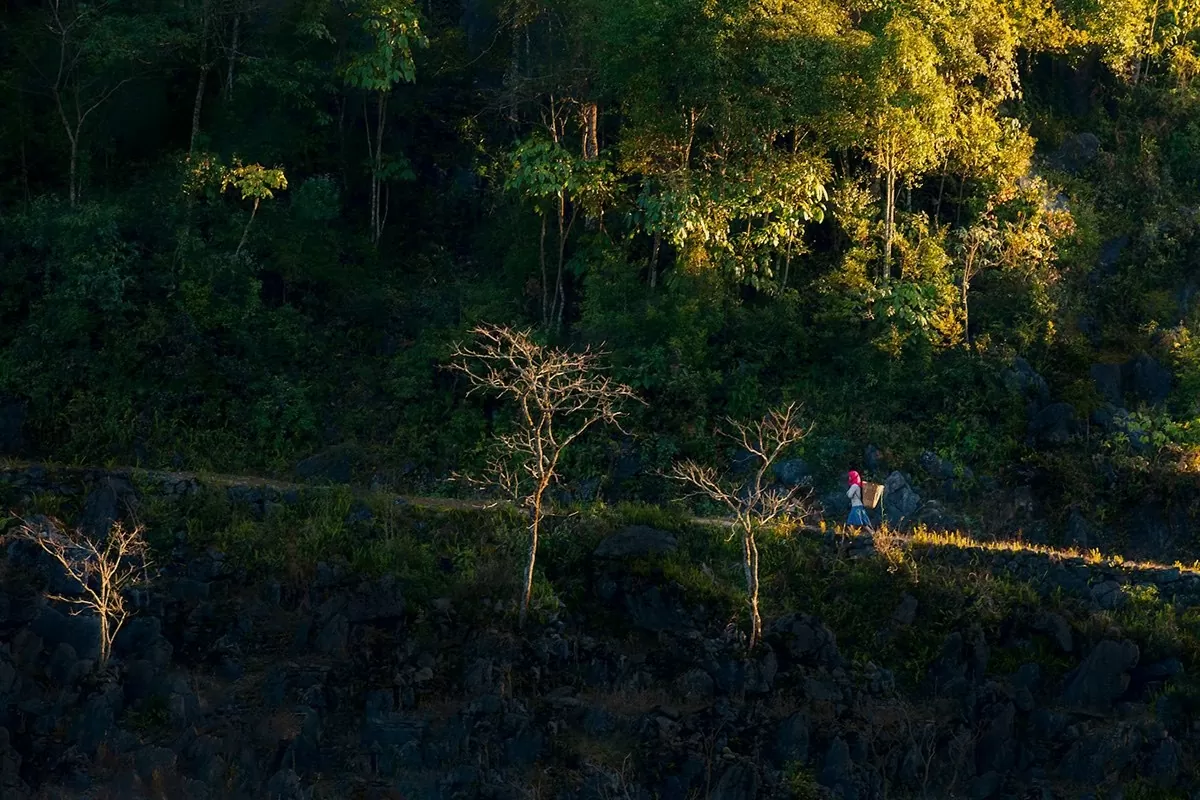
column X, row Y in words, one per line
column 871, row 494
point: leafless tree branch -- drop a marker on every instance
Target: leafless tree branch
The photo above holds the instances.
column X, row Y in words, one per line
column 558, row 396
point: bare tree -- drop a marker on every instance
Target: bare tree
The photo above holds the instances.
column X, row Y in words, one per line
column 757, row 503
column 558, row 397
column 104, row 571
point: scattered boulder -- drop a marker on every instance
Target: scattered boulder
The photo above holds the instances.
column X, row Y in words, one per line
column 738, row 782
column 105, row 504
column 1057, row 628
column 1108, row 595
column 963, row 661
column 335, row 465
column 835, row 504
column 900, row 501
column 996, row 750
column 1147, row 379
column 792, row 739
column 286, row 785
column 837, row 772
column 695, row 684
column 1102, row 752
column 654, row 610
column 1025, row 381
column 804, row 639
column 1164, row 765
column 1080, row 533
column 1053, row 425
column 81, row 632
column 1108, row 380
column 1077, row 152
column 793, row 472
column 1102, row 677
column 935, row 466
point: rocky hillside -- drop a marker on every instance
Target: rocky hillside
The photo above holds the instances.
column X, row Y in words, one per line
column 320, row 645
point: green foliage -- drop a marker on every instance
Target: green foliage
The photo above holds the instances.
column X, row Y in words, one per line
column 392, row 32
column 800, row 783
column 253, row 181
column 728, row 177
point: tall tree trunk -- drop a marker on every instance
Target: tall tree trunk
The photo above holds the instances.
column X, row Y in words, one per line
column 966, row 288
column 196, row 108
column 966, row 314
column 378, row 216
column 72, row 133
column 246, row 230
column 73, row 188
column 962, row 186
column 787, row 264
column 937, row 209
column 755, row 614
column 750, row 566
column 545, row 276
column 889, row 210
column 205, row 66
column 534, row 531
column 590, row 123
column 654, row 260
column 590, row 119
column 233, row 53
column 105, row 642
column 559, row 299
column 513, row 71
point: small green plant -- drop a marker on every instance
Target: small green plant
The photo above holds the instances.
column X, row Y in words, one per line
column 800, row 783
column 151, row 715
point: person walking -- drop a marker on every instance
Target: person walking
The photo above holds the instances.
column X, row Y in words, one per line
column 858, row 514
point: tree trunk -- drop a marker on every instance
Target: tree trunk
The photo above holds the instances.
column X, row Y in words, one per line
column 750, row 565
column 104, row 638
column 590, row 122
column 73, row 187
column 514, row 66
column 545, row 277
column 787, row 264
column 590, row 119
column 966, row 286
column 534, row 530
column 196, row 108
column 654, row 260
column 205, row 66
column 378, row 219
column 962, row 187
column 233, row 51
column 937, row 209
column 889, row 210
column 246, row 230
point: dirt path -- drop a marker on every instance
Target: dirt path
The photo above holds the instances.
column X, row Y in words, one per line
column 218, row 479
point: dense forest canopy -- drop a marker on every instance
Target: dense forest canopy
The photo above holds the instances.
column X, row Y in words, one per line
column 234, row 233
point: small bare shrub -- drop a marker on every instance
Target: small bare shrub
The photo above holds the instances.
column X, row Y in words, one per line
column 104, row 570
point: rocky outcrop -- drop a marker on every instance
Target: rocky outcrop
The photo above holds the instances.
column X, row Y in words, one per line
column 224, row 685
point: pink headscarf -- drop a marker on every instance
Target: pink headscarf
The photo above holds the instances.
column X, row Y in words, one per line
column 854, row 479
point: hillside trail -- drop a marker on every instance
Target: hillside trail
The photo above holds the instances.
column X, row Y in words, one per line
column 438, row 503
column 434, row 502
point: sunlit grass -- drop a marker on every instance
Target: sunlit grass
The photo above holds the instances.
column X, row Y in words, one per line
column 925, row 537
